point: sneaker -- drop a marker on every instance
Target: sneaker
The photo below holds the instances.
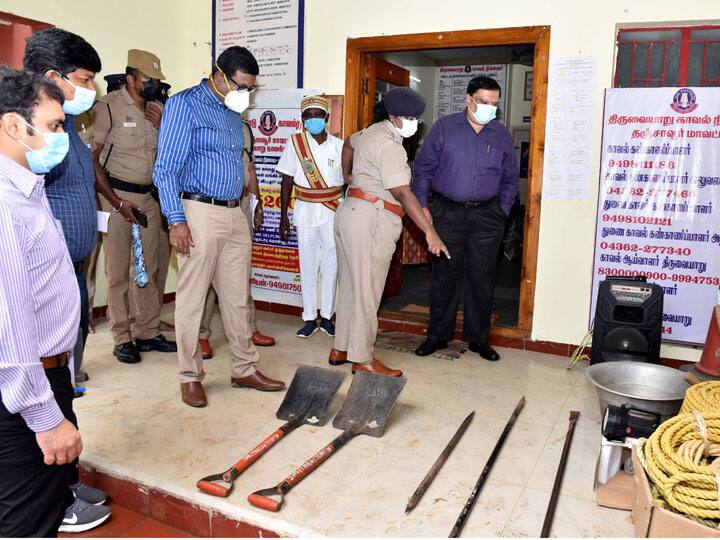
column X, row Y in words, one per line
column 89, row 494
column 327, row 326
column 308, row 329
column 82, row 516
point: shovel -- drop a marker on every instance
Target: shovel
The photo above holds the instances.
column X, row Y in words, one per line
column 370, row 399
column 306, row 402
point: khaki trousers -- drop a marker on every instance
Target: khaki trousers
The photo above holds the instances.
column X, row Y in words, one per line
column 209, row 309
column 365, row 237
column 221, row 258
column 145, row 309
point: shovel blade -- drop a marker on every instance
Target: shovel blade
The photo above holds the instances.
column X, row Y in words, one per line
column 368, row 404
column 310, row 394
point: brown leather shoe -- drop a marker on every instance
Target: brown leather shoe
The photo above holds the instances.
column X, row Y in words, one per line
column 193, row 394
column 261, row 340
column 376, row 366
column 257, row 381
column 205, row 349
column 337, row 358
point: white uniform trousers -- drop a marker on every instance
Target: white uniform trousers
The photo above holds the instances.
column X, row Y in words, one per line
column 316, row 246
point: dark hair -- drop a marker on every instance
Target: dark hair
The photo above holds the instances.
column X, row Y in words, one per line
column 61, row 51
column 380, row 112
column 21, row 92
column 234, row 59
column 482, row 83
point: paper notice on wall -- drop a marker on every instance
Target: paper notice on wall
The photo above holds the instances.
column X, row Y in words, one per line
column 452, row 82
column 272, row 30
column 569, row 128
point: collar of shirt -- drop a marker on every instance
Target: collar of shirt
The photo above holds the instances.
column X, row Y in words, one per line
column 125, row 95
column 392, row 130
column 208, row 95
column 23, row 179
column 69, row 125
column 463, row 119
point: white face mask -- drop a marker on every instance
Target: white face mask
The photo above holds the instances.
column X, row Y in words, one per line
column 81, row 101
column 237, row 100
column 409, row 127
column 483, row 114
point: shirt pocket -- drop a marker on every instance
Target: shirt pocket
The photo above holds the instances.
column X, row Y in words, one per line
column 494, row 159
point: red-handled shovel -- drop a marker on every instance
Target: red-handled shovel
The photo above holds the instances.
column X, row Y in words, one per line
column 306, row 402
column 370, row 399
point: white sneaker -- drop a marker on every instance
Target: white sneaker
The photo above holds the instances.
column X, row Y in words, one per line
column 82, row 516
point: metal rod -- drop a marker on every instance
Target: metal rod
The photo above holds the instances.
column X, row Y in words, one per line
column 439, row 462
column 559, row 476
column 460, row 523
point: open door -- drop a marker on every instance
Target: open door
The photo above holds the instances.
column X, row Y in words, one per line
column 380, row 77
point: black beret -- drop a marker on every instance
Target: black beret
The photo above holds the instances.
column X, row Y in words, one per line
column 114, row 80
column 404, row 102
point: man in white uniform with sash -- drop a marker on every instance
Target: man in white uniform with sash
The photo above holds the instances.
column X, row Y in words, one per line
column 310, row 166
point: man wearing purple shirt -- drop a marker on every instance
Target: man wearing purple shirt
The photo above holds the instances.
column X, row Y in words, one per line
column 39, row 315
column 468, row 163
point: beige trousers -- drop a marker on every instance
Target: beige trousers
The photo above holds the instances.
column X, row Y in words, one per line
column 221, row 258
column 209, row 309
column 145, row 309
column 365, row 237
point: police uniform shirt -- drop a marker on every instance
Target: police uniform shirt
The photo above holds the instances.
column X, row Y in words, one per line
column 327, row 157
column 129, row 139
column 379, row 160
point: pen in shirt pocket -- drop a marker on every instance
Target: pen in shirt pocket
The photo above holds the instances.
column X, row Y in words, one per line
column 488, row 149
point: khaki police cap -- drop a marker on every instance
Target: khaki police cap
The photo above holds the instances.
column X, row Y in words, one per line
column 146, row 62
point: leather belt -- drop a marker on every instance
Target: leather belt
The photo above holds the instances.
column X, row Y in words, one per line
column 78, row 266
column 209, row 200
column 129, row 186
column 390, row 207
column 466, row 204
column 55, row 361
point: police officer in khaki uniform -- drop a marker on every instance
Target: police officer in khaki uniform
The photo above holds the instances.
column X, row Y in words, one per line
column 258, row 339
column 125, row 136
column 369, row 223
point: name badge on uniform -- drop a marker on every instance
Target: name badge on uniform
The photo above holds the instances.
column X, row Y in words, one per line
column 129, row 122
column 331, row 163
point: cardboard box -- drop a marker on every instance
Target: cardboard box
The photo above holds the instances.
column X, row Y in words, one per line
column 613, row 486
column 651, row 521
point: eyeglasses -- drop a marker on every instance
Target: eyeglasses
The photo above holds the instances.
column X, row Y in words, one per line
column 242, row 87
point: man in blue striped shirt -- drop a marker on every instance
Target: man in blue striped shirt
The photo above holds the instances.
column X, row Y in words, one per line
column 199, row 173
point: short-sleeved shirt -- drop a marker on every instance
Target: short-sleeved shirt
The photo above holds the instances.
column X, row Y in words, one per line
column 379, row 160
column 130, row 140
column 327, row 156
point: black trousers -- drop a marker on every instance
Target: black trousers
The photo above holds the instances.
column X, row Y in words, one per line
column 473, row 237
column 34, row 496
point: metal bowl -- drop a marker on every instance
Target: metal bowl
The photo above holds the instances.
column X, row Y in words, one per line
column 648, row 387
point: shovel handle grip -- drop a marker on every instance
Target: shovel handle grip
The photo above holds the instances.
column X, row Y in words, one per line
column 266, row 503
column 212, row 488
column 256, row 453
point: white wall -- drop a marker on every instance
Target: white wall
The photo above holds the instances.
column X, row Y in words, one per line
column 423, row 68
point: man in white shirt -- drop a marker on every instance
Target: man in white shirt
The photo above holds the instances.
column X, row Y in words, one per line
column 310, row 165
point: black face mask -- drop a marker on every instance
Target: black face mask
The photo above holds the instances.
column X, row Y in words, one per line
column 151, row 90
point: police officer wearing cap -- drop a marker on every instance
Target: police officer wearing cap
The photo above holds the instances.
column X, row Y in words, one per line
column 125, row 136
column 368, row 224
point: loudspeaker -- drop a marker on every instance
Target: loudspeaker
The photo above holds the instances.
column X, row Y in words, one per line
column 628, row 321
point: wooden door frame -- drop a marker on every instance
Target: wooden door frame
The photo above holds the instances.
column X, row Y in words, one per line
column 360, row 49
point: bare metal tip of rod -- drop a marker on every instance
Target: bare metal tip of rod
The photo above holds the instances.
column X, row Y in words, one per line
column 574, row 415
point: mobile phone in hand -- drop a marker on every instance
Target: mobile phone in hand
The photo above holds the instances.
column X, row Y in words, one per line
column 142, row 218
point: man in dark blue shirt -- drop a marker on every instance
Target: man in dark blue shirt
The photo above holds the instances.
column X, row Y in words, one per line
column 468, row 163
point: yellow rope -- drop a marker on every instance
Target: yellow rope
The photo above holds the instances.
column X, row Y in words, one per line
column 684, row 466
column 703, row 397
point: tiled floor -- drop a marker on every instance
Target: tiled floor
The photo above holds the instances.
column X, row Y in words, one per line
column 124, row 523
column 132, row 421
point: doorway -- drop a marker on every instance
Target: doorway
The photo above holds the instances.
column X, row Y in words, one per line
column 518, row 58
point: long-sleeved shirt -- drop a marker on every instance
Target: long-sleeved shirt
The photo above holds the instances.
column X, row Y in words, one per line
column 70, row 188
column 200, row 149
column 465, row 166
column 39, row 296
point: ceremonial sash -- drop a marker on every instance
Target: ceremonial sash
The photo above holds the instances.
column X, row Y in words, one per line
column 318, row 192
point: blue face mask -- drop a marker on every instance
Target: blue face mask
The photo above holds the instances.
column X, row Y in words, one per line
column 484, row 113
column 315, row 125
column 81, row 102
column 43, row 159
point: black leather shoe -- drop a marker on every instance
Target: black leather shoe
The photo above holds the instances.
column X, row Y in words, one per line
column 484, row 350
column 158, row 343
column 429, row 346
column 127, row 353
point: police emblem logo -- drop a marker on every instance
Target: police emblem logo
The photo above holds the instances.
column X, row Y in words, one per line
column 684, row 101
column 268, row 123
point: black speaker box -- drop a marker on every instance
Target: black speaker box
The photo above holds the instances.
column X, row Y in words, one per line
column 628, row 321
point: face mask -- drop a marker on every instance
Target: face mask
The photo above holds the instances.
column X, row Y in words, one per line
column 151, row 90
column 484, row 113
column 409, row 128
column 43, row 159
column 82, row 101
column 235, row 100
column 315, row 125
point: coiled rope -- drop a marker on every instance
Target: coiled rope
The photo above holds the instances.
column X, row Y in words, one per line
column 682, row 458
column 703, row 397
